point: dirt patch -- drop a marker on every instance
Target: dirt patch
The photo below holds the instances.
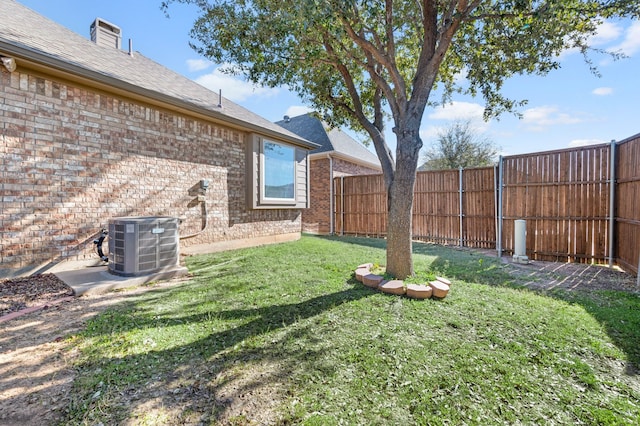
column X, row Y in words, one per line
column 244, row 394
column 571, row 276
column 37, row 352
column 38, row 290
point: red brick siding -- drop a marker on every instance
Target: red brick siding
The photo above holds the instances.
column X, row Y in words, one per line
column 71, row 158
column 346, row 168
column 317, row 218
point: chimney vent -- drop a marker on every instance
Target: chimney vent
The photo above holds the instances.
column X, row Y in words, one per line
column 106, row 34
column 287, row 119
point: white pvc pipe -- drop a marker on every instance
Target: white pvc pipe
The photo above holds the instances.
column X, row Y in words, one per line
column 520, row 236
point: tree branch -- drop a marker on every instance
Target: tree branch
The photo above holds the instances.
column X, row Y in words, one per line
column 387, row 62
column 374, row 129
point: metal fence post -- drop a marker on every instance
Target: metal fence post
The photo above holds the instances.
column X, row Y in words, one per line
column 461, row 211
column 342, row 205
column 612, row 200
column 638, row 274
column 499, row 207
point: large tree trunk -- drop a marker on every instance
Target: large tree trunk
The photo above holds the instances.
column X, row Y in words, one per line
column 399, row 230
column 400, row 205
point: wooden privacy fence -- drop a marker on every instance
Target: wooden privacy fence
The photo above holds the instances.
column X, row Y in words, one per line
column 573, row 212
column 564, row 197
column 449, row 206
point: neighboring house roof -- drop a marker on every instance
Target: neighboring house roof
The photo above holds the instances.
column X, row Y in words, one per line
column 333, row 141
column 28, row 36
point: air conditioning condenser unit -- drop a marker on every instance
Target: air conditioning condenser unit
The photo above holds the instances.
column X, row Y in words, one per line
column 143, row 245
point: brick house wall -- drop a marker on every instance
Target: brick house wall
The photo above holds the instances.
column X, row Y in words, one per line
column 72, row 157
column 317, row 218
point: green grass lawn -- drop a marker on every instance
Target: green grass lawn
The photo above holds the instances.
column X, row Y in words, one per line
column 284, row 334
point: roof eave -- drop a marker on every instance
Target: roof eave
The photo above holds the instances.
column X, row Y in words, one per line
column 346, row 157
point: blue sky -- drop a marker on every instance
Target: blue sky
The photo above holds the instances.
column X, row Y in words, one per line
column 569, row 107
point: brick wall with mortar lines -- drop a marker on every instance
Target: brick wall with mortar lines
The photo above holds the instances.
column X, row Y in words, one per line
column 346, row 168
column 71, row 158
column 317, row 218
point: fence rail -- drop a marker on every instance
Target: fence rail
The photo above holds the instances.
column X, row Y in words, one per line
column 573, row 212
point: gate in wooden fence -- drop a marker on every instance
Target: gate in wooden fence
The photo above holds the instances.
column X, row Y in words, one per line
column 573, row 212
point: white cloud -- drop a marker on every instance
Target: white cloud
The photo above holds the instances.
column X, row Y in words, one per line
column 458, row 111
column 631, row 43
column 584, row 142
column 602, row 91
column 455, row 111
column 431, row 132
column 296, row 110
column 540, row 117
column 606, row 32
column 198, row 64
column 233, row 88
column 460, row 78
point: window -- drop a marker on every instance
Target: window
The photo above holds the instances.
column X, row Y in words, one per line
column 278, row 172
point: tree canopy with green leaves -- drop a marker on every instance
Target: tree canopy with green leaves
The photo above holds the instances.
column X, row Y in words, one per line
column 459, row 146
column 365, row 63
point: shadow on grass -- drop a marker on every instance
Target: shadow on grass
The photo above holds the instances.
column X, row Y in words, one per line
column 451, row 262
column 206, row 365
column 616, row 311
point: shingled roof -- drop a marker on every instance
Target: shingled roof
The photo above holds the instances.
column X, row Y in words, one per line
column 29, row 36
column 331, row 140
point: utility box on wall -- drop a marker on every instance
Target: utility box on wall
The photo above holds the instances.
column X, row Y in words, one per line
column 143, row 245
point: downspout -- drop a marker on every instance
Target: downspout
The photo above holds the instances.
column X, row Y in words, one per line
column 331, row 194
